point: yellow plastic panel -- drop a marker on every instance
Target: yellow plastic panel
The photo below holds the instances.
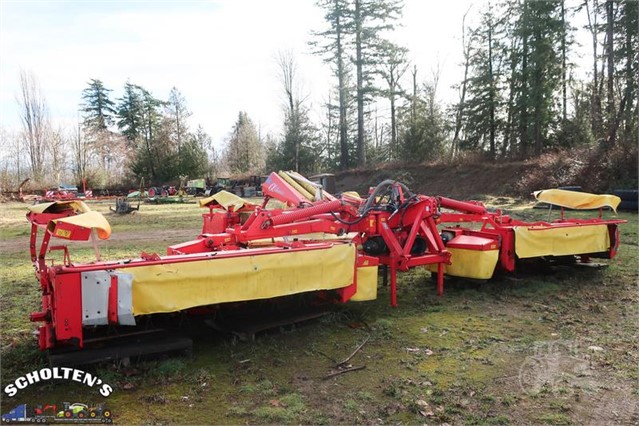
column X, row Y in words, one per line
column 476, row 264
column 577, row 200
column 366, row 284
column 297, row 186
column 226, row 200
column 562, row 241
column 56, row 206
column 178, row 286
column 90, row 219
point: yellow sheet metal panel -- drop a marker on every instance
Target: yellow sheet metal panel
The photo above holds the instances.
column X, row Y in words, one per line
column 178, row 286
column 577, row 200
column 366, row 284
column 476, row 264
column 561, row 241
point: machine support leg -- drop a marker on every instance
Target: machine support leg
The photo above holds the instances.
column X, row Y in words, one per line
column 385, row 275
column 393, row 286
column 440, row 279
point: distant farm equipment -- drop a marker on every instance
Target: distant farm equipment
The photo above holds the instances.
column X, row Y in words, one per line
column 65, row 192
column 196, row 187
column 244, row 186
column 123, row 205
column 168, row 194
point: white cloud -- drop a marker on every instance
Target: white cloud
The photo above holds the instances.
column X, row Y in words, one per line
column 219, row 55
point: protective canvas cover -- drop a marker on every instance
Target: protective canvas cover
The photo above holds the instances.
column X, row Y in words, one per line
column 577, row 200
column 176, row 286
column 536, row 241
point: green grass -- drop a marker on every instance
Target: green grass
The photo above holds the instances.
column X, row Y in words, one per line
column 462, row 354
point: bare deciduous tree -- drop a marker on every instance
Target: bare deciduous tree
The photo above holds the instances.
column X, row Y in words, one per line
column 56, row 148
column 34, row 117
column 81, row 154
column 287, row 75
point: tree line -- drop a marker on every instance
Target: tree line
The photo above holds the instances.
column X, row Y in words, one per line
column 519, row 97
column 116, row 142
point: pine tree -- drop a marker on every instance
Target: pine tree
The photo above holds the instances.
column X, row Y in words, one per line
column 98, row 115
column 393, row 69
column 193, row 157
column 130, row 114
column 537, row 73
column 625, row 28
column 244, row 148
column 98, row 110
column 297, row 149
column 423, row 129
column 152, row 158
column 369, row 20
column 178, row 114
column 331, row 45
column 484, row 86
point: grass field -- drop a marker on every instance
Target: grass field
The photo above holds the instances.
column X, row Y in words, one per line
column 555, row 346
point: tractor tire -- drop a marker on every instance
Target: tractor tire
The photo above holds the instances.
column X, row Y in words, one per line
column 68, row 414
column 626, row 194
column 93, row 414
column 631, row 206
column 82, row 414
column 106, row 413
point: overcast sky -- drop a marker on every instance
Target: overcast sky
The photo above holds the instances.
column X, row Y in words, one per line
column 219, row 54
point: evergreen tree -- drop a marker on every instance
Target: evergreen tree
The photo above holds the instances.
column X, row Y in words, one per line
column 483, row 90
column 393, row 69
column 536, row 73
column 370, row 19
column 193, row 157
column 244, row 148
column 130, row 114
column 98, row 110
column 626, row 38
column 297, row 149
column 424, row 129
column 98, row 114
column 152, row 158
column 331, row 44
column 178, row 114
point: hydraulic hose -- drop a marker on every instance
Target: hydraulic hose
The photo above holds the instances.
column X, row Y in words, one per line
column 379, row 189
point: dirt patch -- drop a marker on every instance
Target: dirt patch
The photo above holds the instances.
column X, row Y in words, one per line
column 455, row 180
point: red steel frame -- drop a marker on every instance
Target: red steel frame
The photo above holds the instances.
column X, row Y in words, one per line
column 225, row 235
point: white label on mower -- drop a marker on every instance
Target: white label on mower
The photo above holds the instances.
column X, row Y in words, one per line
column 95, row 298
